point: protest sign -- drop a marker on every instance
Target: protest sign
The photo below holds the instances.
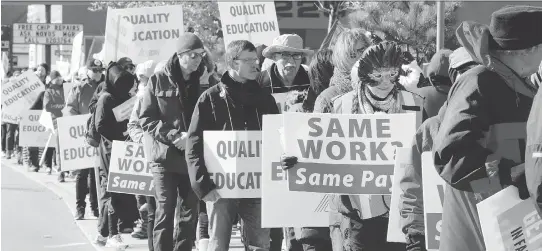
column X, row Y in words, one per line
column 129, row 171
column 433, row 188
column 233, row 160
column 122, row 112
column 345, row 153
column 75, row 153
column 313, row 209
column 395, row 232
column 509, row 223
column 143, row 34
column 19, row 94
column 31, row 132
column 67, row 87
column 77, row 53
column 252, row 21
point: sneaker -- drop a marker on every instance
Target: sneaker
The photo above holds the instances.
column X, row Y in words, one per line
column 33, row 169
column 202, row 244
column 140, row 234
column 79, row 215
column 61, row 178
column 127, row 230
column 116, row 241
column 100, row 240
column 49, row 170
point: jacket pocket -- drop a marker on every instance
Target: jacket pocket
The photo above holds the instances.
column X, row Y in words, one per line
column 155, row 151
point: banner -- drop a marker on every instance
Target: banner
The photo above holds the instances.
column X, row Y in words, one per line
column 129, row 171
column 233, row 160
column 433, row 187
column 19, row 95
column 142, row 34
column 31, row 132
column 344, row 153
column 252, row 21
column 395, row 232
column 77, row 54
column 75, row 153
column 509, row 223
column 122, row 112
column 312, row 212
column 36, row 33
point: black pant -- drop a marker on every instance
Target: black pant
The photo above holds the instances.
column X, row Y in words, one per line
column 130, row 213
column 317, row 245
column 34, row 156
column 169, row 188
column 11, row 140
column 49, row 154
column 203, row 219
column 151, row 203
column 85, row 183
column 276, row 237
column 4, row 136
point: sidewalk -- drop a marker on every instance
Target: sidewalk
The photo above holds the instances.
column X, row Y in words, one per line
column 66, row 191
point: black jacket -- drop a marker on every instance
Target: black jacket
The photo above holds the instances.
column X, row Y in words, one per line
column 244, row 103
column 270, row 81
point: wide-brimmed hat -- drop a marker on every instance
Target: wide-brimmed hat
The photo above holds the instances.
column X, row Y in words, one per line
column 286, row 43
column 515, row 28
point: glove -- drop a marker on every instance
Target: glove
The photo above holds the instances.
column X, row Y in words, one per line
column 415, row 242
column 287, row 162
column 514, row 176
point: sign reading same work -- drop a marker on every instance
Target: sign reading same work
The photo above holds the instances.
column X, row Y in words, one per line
column 345, row 154
column 75, row 153
column 252, row 21
column 19, row 94
column 129, row 171
column 233, row 160
column 45, row 33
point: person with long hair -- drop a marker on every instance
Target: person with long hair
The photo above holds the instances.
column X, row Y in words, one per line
column 320, row 72
column 347, row 50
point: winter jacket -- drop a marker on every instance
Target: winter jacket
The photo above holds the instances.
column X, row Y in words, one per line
column 230, row 105
column 352, row 204
column 340, row 83
column 53, row 100
column 79, row 97
column 533, row 151
column 270, row 81
column 434, row 97
column 483, row 126
column 411, row 205
column 167, row 104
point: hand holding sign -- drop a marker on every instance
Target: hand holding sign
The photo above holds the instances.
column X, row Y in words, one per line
column 288, row 162
column 180, row 142
column 212, row 196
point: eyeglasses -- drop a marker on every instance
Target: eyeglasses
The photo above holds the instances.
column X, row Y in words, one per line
column 96, row 70
column 288, row 56
column 249, row 60
column 193, row 55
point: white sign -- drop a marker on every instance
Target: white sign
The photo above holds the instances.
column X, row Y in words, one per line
column 31, row 132
column 252, row 21
column 233, row 160
column 77, row 53
column 20, row 94
column 143, row 34
column 75, row 153
column 310, row 210
column 122, row 112
column 36, row 33
column 402, row 158
column 129, row 171
column 433, row 188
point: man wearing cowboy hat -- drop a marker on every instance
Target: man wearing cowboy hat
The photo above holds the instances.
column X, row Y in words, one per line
column 285, row 73
column 479, row 148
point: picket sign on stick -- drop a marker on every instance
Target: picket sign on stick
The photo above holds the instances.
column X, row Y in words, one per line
column 31, row 132
column 433, row 187
column 75, row 153
column 47, row 121
column 310, row 210
column 345, row 153
column 233, row 160
column 129, row 170
column 19, row 94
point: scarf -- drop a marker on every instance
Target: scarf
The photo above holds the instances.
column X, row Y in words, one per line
column 365, row 103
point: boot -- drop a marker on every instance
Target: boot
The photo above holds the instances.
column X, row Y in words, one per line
column 9, row 153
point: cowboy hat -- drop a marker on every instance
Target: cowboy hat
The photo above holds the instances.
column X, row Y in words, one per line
column 286, row 43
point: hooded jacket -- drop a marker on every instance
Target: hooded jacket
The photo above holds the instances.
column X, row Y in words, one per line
column 483, row 125
column 166, row 109
column 53, row 100
column 116, row 91
column 227, row 106
column 80, row 96
column 533, row 151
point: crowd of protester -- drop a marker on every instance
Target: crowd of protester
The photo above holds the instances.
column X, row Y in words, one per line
column 492, row 79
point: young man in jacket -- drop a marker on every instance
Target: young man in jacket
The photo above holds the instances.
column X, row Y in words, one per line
column 237, row 103
column 77, row 103
column 166, row 109
column 478, row 149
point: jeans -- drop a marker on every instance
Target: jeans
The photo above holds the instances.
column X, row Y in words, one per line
column 221, row 216
column 130, row 212
column 355, row 234
column 4, row 137
column 85, row 183
column 34, row 156
column 108, row 220
column 203, row 218
column 151, row 207
column 171, row 187
column 276, row 236
column 49, row 154
column 10, row 139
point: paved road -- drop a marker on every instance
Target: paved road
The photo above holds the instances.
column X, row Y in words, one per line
column 34, row 218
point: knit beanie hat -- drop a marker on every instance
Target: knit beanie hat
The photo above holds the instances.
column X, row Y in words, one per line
column 187, row 42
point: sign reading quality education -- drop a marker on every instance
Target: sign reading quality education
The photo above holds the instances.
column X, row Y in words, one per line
column 45, row 33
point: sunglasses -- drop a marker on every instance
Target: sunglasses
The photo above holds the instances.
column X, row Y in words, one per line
column 193, row 55
column 288, row 56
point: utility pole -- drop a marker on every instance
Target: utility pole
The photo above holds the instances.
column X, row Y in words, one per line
column 48, row 46
column 440, row 25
